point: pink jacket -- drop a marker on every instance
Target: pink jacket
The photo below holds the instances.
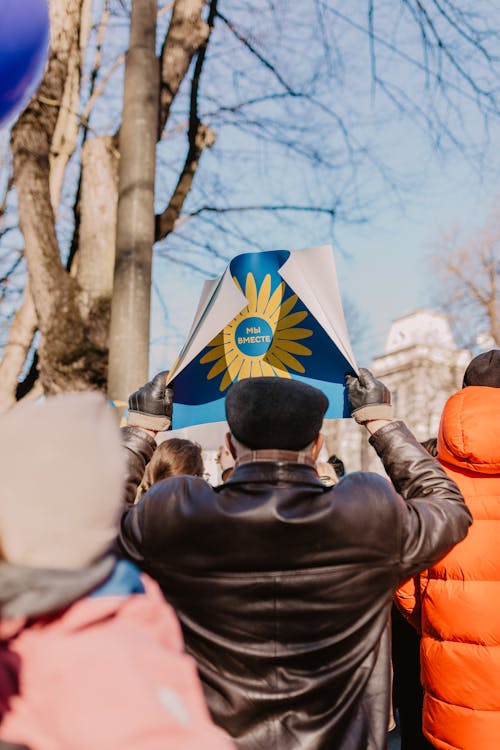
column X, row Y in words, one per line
column 108, row 673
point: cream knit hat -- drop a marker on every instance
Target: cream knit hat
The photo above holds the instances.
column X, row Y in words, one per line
column 62, row 475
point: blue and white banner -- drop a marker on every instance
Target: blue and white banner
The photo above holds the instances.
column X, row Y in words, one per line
column 275, row 313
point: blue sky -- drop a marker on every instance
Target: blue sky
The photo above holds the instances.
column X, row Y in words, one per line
column 383, row 264
column 384, row 235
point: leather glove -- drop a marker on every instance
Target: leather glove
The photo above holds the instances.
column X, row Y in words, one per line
column 369, row 397
column 151, row 406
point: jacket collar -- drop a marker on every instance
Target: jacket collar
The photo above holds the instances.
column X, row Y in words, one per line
column 274, row 455
column 274, row 472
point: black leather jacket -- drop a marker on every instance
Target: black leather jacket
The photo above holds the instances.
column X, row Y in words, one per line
column 283, row 586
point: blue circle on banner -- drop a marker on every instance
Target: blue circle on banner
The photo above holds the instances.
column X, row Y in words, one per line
column 253, row 336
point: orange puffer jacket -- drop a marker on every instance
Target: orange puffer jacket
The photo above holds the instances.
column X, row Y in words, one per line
column 456, row 603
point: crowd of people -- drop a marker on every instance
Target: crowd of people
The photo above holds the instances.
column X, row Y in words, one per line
column 142, row 608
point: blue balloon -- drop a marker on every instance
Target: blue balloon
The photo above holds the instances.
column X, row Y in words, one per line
column 24, row 44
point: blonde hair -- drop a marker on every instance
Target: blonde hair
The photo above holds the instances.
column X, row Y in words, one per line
column 171, row 458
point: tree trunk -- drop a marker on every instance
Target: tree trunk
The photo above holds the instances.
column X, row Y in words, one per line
column 129, row 332
column 66, row 130
column 21, row 334
column 186, row 34
column 99, row 197
column 95, row 259
column 69, row 358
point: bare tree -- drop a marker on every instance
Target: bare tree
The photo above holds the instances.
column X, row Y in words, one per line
column 266, row 115
column 467, row 286
column 69, row 349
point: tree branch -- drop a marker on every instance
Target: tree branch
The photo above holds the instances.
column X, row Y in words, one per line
column 277, row 207
column 200, row 137
column 3, row 203
column 21, row 334
column 257, row 54
column 490, row 104
column 187, row 34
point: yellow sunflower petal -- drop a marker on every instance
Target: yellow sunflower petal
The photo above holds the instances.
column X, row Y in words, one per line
column 229, row 336
column 286, row 307
column 219, row 367
column 256, row 368
column 267, row 370
column 217, row 341
column 251, row 293
column 231, row 375
column 289, row 360
column 234, row 366
column 282, row 372
column 264, row 292
column 226, row 381
column 237, row 284
column 275, row 300
column 245, row 369
column 218, row 351
column 291, row 346
column 293, row 334
column 291, row 320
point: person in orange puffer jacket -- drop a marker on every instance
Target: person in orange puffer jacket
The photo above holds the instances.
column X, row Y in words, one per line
column 456, row 603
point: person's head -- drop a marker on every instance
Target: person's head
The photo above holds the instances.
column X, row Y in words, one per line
column 275, row 413
column 63, row 471
column 430, row 446
column 173, row 457
column 484, row 370
column 338, row 466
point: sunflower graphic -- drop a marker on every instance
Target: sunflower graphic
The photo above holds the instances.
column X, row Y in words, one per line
column 263, row 339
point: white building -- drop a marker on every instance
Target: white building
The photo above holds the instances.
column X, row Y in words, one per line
column 422, row 367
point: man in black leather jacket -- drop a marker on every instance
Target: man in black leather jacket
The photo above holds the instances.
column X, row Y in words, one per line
column 284, row 586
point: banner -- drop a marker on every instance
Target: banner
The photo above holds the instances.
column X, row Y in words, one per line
column 276, row 313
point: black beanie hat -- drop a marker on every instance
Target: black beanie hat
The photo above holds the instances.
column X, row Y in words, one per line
column 275, row 413
column 484, row 370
